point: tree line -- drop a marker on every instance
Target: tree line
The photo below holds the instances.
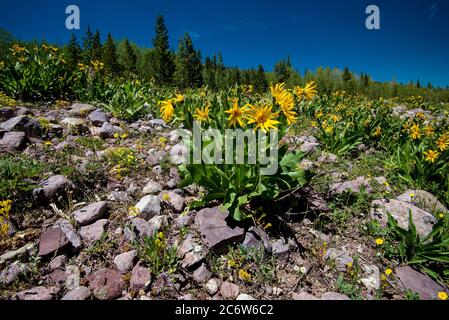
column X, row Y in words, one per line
column 186, row 68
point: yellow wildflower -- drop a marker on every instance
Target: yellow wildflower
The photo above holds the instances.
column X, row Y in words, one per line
column 263, row 118
column 308, row 92
column 244, row 275
column 278, row 91
column 379, row 241
column 415, row 132
column 431, row 155
column 178, row 98
column 167, row 110
column 202, row 115
column 236, row 114
column 388, row 271
column 429, row 131
column 287, row 106
column 443, row 142
column 377, row 132
column 442, row 295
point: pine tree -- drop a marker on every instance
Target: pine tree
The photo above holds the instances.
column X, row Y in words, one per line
column 87, row 46
column 73, row 52
column 209, row 74
column 96, row 47
column 260, row 83
column 283, row 70
column 188, row 64
column 347, row 75
column 129, row 59
column 161, row 59
column 220, row 70
column 110, row 57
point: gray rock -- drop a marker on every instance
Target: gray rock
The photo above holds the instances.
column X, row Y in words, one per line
column 30, row 126
column 173, row 199
column 334, row 296
column 340, row 257
column 149, row 206
column 52, row 188
column 202, row 274
column 216, row 232
column 12, row 273
column 140, row 279
column 106, row 284
column 372, row 281
column 80, row 109
column 157, row 123
column 57, row 262
column 179, row 154
column 92, row 233
column 187, row 297
column 303, row 296
column 354, row 186
column 229, row 290
column 38, row 293
column 75, row 125
column 125, row 261
column 192, row 259
column 107, row 130
column 98, row 117
column 186, row 246
column 309, row 147
column 399, row 210
column 12, row 141
column 20, row 253
column 245, row 297
column 152, row 187
column 119, row 196
column 90, row 213
column 418, row 283
column 73, row 277
column 142, row 227
column 80, row 293
column 423, row 200
column 327, row 158
column 70, row 232
column 6, row 113
column 158, row 223
column 51, row 241
column 280, row 249
column 212, row 286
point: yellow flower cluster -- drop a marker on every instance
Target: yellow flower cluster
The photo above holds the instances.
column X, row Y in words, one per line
column 5, row 208
column 97, row 65
column 286, row 101
column 167, row 108
column 308, row 92
column 6, row 101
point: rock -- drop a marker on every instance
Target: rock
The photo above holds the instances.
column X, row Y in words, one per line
column 92, row 233
column 30, row 126
column 303, row 296
column 157, row 123
column 106, row 284
column 244, row 297
column 280, row 249
column 73, row 277
column 216, row 232
column 354, row 186
column 341, row 258
column 187, row 297
column 38, row 293
column 90, row 213
column 75, row 125
column 179, row 154
column 192, row 259
column 173, row 199
column 372, row 281
column 186, row 246
column 202, row 274
column 119, row 196
column 184, row 220
column 306, row 139
column 142, row 227
column 12, row 141
column 80, row 293
column 327, row 158
column 307, row 165
column 212, row 286
column 80, row 110
column 158, row 223
column 152, row 187
column 149, row 206
column 309, row 147
column 57, row 277
column 6, row 113
column 253, row 242
column 229, row 290
column 70, row 232
column 52, row 188
column 12, row 273
column 125, row 261
column 57, row 262
column 399, row 210
column 140, row 279
column 107, row 130
column 423, row 200
column 52, row 241
column 20, row 253
column 98, row 117
column 418, row 283
column 334, row 296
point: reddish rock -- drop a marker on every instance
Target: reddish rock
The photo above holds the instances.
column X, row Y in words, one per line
column 90, row 213
column 140, row 278
column 51, row 241
column 106, row 284
column 229, row 290
column 38, row 293
column 418, row 283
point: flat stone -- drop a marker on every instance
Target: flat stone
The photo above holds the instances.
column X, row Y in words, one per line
column 125, row 261
column 327, row 158
column 92, row 233
column 355, row 186
column 73, row 277
column 173, row 199
column 106, row 284
column 229, row 290
column 90, row 213
column 399, row 210
column 245, row 297
column 75, row 125
column 149, row 206
column 52, row 188
column 107, row 130
column 98, row 117
column 216, row 232
column 70, row 232
column 51, row 241
column 158, row 223
column 142, row 227
column 334, row 296
column 411, row 279
column 12, row 273
column 212, row 286
column 20, row 253
column 77, row 294
column 309, row 147
column 372, row 281
column 202, row 274
column 12, row 141
column 303, row 296
column 30, row 126
column 280, row 249
column 140, row 279
column 192, row 259
column 423, row 200
column 341, row 258
column 80, row 109
column 57, row 262
column 152, row 187
column 184, row 220
column 38, row 293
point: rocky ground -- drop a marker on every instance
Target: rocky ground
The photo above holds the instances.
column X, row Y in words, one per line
column 77, row 230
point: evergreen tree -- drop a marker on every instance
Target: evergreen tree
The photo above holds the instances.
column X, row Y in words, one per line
column 6, row 40
column 188, row 64
column 260, row 83
column 347, row 75
column 220, row 70
column 161, row 59
column 73, row 52
column 110, row 57
column 209, row 74
column 87, row 46
column 283, row 71
column 129, row 60
column 96, row 47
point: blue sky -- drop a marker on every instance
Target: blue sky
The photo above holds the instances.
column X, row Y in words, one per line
column 413, row 41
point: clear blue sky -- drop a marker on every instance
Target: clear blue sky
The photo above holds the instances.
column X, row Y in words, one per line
column 413, row 41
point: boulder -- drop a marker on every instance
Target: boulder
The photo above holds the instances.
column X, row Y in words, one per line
column 30, row 126
column 90, row 213
column 12, row 141
column 106, row 284
column 51, row 241
column 98, row 117
column 52, row 188
column 92, row 233
column 216, row 232
column 411, row 279
column 423, row 200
